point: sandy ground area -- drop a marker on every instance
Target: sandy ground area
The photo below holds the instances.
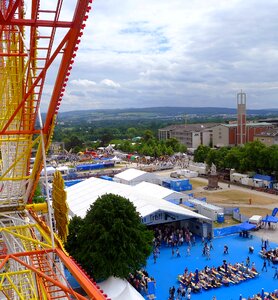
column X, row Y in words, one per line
column 249, row 201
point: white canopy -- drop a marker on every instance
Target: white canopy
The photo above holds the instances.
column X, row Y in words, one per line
column 81, row 195
column 119, row 289
column 130, row 174
column 115, row 158
column 157, row 190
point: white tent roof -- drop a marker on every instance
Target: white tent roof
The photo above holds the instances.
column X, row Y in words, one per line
column 115, row 158
column 81, row 195
column 119, row 289
column 62, row 168
column 154, row 189
column 130, row 174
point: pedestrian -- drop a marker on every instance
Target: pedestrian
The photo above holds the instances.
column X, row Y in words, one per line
column 248, row 261
column 210, row 245
column 154, row 258
column 188, row 251
column 226, row 249
column 264, row 266
column 276, row 273
column 179, row 291
column 173, row 251
column 208, row 253
column 178, row 252
column 183, row 293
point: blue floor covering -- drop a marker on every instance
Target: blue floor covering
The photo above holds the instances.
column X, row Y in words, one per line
column 167, row 268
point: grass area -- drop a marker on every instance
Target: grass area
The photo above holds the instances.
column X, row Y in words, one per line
column 229, row 221
column 234, row 197
column 250, row 211
column 197, row 184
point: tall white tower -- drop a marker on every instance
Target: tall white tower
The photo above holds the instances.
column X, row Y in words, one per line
column 241, row 118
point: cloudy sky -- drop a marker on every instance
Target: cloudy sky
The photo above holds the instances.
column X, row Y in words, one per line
column 176, row 53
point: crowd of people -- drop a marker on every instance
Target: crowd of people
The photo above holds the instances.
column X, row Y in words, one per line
column 140, row 281
column 265, row 296
column 193, row 282
column 271, row 255
column 171, row 236
column 209, row 278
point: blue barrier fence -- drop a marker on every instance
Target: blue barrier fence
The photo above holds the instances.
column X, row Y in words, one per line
column 217, row 232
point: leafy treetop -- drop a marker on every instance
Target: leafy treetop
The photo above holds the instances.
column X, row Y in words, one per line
column 111, row 240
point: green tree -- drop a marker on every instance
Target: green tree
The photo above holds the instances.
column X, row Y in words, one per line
column 131, row 132
column 173, row 143
column 112, row 241
column 233, row 158
column 72, row 142
column 72, row 245
column 148, row 135
column 252, row 153
column 38, row 197
column 201, row 153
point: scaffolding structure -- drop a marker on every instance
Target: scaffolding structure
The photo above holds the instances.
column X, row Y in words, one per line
column 38, row 39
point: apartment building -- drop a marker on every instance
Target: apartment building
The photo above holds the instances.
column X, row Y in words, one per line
column 268, row 137
column 226, row 134
column 190, row 135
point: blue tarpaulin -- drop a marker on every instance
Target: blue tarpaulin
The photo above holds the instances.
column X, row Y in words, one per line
column 270, row 219
column 246, row 226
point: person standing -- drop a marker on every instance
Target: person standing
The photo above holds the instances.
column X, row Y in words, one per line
column 248, row 261
column 276, row 273
column 264, row 266
column 173, row 251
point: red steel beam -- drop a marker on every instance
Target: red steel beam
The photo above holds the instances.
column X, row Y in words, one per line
column 55, row 282
column 89, row 287
column 37, row 23
column 15, row 5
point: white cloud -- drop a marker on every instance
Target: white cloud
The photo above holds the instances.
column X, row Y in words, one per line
column 83, row 83
column 110, row 83
column 188, row 53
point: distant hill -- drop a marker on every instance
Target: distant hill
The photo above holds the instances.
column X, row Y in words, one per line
column 157, row 113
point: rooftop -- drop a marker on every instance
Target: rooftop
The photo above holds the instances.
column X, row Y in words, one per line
column 190, row 127
column 272, row 132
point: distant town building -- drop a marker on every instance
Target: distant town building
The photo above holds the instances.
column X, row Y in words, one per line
column 218, row 135
column 226, row 134
column 57, row 148
column 268, row 137
column 190, row 135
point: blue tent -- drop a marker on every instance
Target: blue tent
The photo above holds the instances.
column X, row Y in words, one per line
column 246, row 226
column 270, row 219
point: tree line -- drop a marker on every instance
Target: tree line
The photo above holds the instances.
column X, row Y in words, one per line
column 150, row 146
column 252, row 157
column 128, row 139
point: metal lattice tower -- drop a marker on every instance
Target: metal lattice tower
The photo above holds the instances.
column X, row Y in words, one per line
column 38, row 38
